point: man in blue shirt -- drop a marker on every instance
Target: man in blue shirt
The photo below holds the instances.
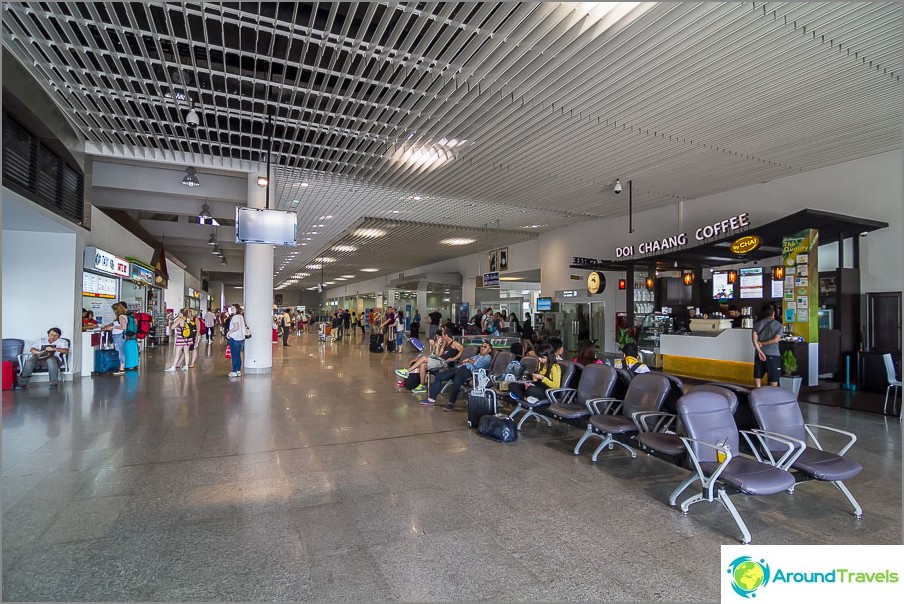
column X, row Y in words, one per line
column 459, row 375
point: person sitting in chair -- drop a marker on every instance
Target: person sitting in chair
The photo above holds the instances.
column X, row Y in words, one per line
column 49, row 352
column 459, row 375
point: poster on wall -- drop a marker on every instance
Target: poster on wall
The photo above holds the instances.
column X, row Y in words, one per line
column 491, row 262
column 503, row 259
column 777, row 288
column 800, row 251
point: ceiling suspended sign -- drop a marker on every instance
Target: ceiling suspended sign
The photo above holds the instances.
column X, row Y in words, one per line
column 720, row 228
column 745, row 245
column 491, row 279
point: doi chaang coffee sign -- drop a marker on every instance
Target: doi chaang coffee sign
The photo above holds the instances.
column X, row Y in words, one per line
column 720, row 228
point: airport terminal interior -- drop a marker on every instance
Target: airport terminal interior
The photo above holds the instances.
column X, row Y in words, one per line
column 662, row 200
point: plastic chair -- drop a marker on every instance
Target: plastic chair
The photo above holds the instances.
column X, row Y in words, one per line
column 12, row 348
column 893, row 382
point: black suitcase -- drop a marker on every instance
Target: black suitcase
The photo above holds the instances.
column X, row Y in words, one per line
column 480, row 404
column 376, row 342
column 390, row 345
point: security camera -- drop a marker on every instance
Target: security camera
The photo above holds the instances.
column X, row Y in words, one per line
column 617, row 187
column 192, row 119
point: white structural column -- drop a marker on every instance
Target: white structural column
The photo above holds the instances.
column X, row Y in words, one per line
column 258, row 291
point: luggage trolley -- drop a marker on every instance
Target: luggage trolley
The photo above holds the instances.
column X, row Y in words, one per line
column 322, row 331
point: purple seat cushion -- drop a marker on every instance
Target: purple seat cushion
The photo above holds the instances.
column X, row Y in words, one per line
column 612, row 424
column 823, row 465
column 569, row 410
column 662, row 442
column 752, row 477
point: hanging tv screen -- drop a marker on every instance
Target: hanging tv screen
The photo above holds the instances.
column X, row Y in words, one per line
column 722, row 289
column 274, row 227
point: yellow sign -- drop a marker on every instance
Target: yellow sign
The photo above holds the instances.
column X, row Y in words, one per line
column 745, row 244
column 595, row 282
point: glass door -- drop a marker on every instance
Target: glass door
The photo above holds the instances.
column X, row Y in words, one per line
column 580, row 321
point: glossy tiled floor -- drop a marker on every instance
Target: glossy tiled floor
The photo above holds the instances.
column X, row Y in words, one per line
column 323, row 482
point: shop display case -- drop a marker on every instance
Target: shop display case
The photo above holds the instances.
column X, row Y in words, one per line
column 648, row 337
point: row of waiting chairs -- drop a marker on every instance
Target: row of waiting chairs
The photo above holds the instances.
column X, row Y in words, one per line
column 705, row 430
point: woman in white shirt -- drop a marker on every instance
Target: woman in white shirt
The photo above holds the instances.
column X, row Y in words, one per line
column 116, row 328
column 236, row 339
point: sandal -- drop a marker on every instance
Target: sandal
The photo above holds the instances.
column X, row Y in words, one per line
column 191, row 366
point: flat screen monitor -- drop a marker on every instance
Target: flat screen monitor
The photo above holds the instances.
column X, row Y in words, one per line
column 544, row 304
column 722, row 289
column 751, row 282
column 275, row 227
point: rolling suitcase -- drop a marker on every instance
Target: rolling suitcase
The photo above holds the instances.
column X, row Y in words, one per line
column 106, row 360
column 376, row 342
column 481, row 400
column 390, row 345
column 9, row 375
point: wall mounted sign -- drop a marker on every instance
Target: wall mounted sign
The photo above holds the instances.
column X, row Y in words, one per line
column 98, row 286
column 745, row 245
column 596, row 282
column 139, row 273
column 722, row 227
column 568, row 293
column 105, row 262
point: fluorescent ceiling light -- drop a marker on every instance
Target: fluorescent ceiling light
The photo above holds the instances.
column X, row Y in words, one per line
column 369, row 233
column 457, row 241
column 327, row 260
column 369, row 270
column 329, row 283
column 511, row 278
column 344, row 248
column 324, row 218
column 349, row 276
column 314, row 267
column 340, row 278
column 302, row 275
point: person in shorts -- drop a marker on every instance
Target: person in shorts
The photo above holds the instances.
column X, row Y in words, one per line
column 766, row 335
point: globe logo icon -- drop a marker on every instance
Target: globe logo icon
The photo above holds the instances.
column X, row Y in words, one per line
column 748, row 575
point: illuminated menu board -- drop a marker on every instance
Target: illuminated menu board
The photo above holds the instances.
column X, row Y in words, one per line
column 98, row 286
column 751, row 282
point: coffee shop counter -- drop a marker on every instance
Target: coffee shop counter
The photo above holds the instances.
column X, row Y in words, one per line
column 718, row 356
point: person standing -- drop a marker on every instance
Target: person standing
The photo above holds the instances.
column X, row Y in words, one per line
column 416, row 324
column 184, row 337
column 362, row 322
column 196, row 320
column 346, row 321
column 436, row 319
column 210, row 320
column 236, row 338
column 285, row 322
column 117, row 328
column 354, row 322
column 399, row 330
column 766, row 334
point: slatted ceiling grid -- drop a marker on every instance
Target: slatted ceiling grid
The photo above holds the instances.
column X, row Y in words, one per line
column 359, row 250
column 686, row 99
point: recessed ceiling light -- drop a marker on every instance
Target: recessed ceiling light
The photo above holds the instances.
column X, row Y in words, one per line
column 349, row 276
column 344, row 248
column 324, row 218
column 457, row 241
column 369, row 233
column 304, row 184
column 340, row 278
column 329, row 282
column 301, row 275
column 294, row 202
column 319, row 225
column 417, row 197
column 369, row 270
column 314, row 267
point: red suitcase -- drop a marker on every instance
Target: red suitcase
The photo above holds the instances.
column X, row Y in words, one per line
column 9, row 375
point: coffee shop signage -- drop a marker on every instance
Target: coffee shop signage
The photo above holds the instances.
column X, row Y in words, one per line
column 719, row 228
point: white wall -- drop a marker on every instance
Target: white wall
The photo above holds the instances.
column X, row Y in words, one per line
column 175, row 289
column 108, row 235
column 40, row 280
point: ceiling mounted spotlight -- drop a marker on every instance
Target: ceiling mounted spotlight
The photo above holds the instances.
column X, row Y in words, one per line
column 190, row 180
column 263, row 181
column 192, row 119
column 223, row 260
column 205, row 217
column 216, row 251
column 213, row 239
column 617, row 188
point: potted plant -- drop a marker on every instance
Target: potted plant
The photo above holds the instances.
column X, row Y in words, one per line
column 788, row 379
column 624, row 337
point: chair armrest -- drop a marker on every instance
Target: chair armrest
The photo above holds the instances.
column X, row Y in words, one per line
column 561, row 395
column 610, row 406
column 21, row 359
column 764, row 453
column 663, row 421
column 851, row 436
column 707, row 481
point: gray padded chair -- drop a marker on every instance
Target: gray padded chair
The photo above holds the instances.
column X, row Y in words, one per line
column 676, row 391
column 570, row 404
column 777, row 411
column 647, row 393
column 500, row 362
column 660, row 431
column 529, row 365
column 12, row 348
column 743, row 416
column 712, row 444
column 530, row 409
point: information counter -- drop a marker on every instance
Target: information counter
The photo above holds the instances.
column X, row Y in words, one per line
column 725, row 356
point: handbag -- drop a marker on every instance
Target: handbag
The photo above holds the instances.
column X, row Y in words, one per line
column 247, row 332
column 499, row 427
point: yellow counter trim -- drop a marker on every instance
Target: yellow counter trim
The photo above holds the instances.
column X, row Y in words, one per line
column 709, row 369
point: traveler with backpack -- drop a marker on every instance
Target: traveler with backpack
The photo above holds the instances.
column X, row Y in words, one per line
column 185, row 331
column 200, row 330
column 130, row 342
column 117, row 328
column 236, row 339
column 632, row 360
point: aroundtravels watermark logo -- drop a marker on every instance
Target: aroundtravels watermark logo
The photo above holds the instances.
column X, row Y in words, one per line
column 827, row 571
column 748, row 575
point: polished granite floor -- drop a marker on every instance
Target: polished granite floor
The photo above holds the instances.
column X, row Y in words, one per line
column 323, row 481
